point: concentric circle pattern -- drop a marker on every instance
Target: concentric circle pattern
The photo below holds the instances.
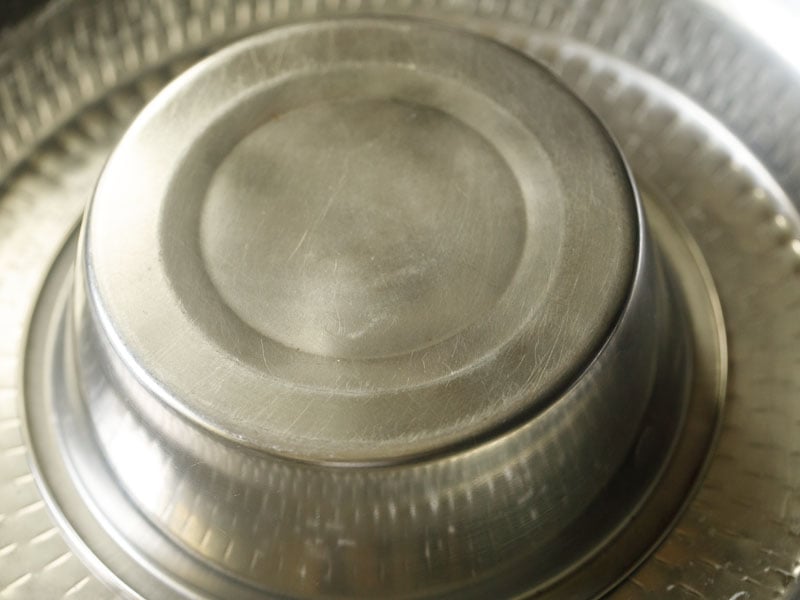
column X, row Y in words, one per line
column 707, row 117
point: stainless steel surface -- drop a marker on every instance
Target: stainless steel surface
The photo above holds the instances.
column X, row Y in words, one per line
column 345, row 511
column 737, row 538
column 423, row 444
column 362, row 242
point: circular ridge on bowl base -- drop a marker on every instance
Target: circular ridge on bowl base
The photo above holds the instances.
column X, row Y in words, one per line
column 362, row 242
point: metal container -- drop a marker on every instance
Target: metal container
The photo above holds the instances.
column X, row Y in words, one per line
column 376, row 307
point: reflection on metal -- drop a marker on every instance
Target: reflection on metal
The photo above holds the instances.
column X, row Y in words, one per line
column 372, row 452
column 171, row 484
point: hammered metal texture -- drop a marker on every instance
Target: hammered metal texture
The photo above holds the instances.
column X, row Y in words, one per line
column 709, row 119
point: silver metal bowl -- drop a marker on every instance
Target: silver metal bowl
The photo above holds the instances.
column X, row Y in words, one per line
column 364, row 323
column 371, row 308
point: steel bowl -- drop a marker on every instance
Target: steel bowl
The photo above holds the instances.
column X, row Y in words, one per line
column 382, row 310
column 372, row 308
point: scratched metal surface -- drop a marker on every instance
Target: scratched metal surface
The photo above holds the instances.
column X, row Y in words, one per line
column 708, row 116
